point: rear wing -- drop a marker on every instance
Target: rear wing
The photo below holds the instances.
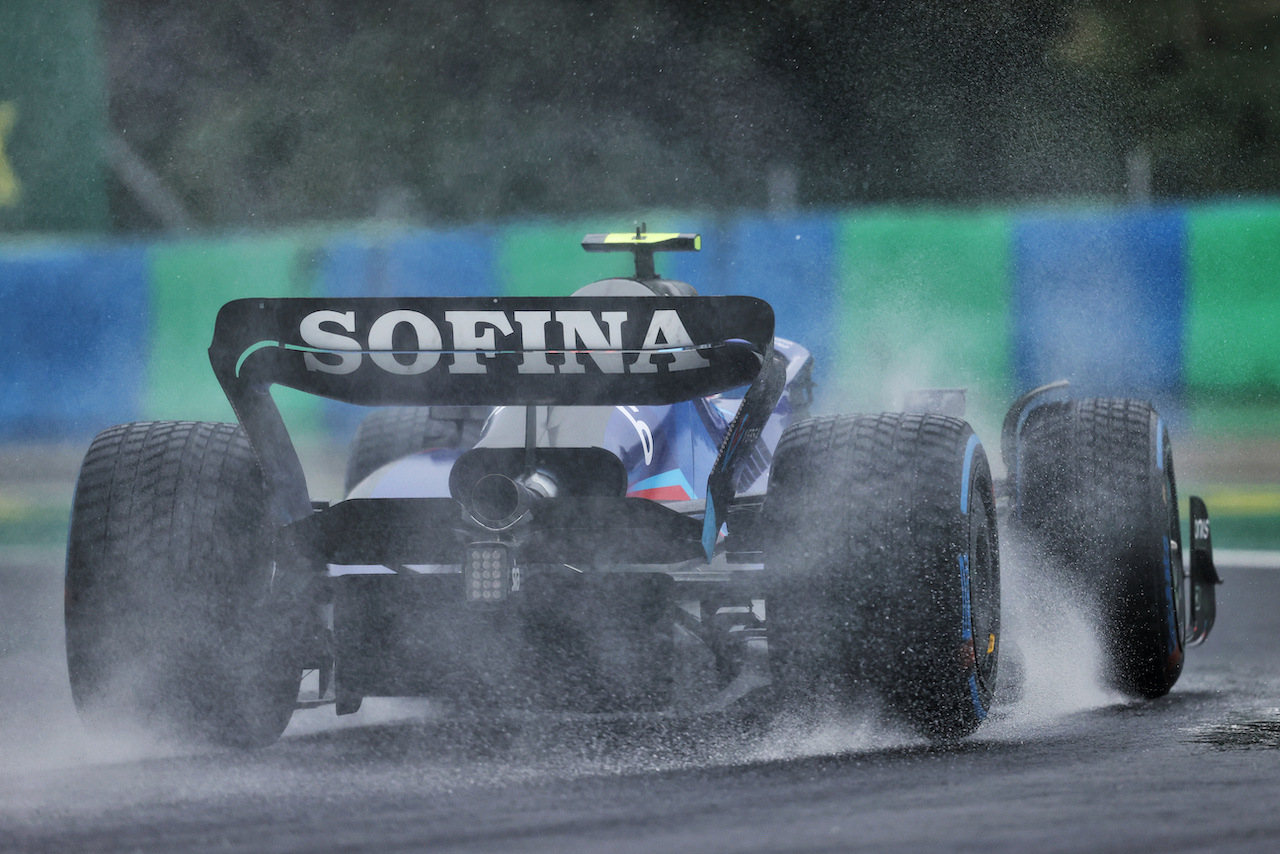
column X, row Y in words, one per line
column 522, row 351
column 512, row 351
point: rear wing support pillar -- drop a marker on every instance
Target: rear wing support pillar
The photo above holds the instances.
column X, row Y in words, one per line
column 288, row 498
column 744, row 431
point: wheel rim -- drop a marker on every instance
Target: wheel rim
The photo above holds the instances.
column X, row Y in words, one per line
column 984, row 593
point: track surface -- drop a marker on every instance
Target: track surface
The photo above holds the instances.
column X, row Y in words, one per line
column 1063, row 767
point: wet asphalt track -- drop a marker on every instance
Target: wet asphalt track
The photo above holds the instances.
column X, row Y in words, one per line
column 1063, row 767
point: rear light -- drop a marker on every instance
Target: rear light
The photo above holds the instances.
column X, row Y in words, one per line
column 487, row 572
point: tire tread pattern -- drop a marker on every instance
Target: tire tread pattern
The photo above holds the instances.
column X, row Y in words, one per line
column 1092, row 495
column 388, row 434
column 167, row 579
column 863, row 514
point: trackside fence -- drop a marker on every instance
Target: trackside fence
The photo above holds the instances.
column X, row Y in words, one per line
column 1180, row 304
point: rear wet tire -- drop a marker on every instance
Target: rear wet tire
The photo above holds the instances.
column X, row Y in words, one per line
column 883, row 570
column 169, row 626
column 386, row 435
column 1097, row 493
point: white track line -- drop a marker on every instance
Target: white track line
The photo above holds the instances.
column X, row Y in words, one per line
column 32, row 556
column 1243, row 559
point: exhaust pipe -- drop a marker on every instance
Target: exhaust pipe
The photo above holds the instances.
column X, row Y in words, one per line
column 497, row 501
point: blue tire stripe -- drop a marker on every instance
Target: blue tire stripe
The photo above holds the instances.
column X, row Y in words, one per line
column 966, row 605
column 1160, row 444
column 964, row 476
column 977, row 699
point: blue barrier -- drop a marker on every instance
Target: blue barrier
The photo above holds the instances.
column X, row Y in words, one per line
column 76, row 321
column 1100, row 299
column 419, row 263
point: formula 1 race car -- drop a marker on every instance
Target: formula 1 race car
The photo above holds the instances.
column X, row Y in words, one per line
column 615, row 502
